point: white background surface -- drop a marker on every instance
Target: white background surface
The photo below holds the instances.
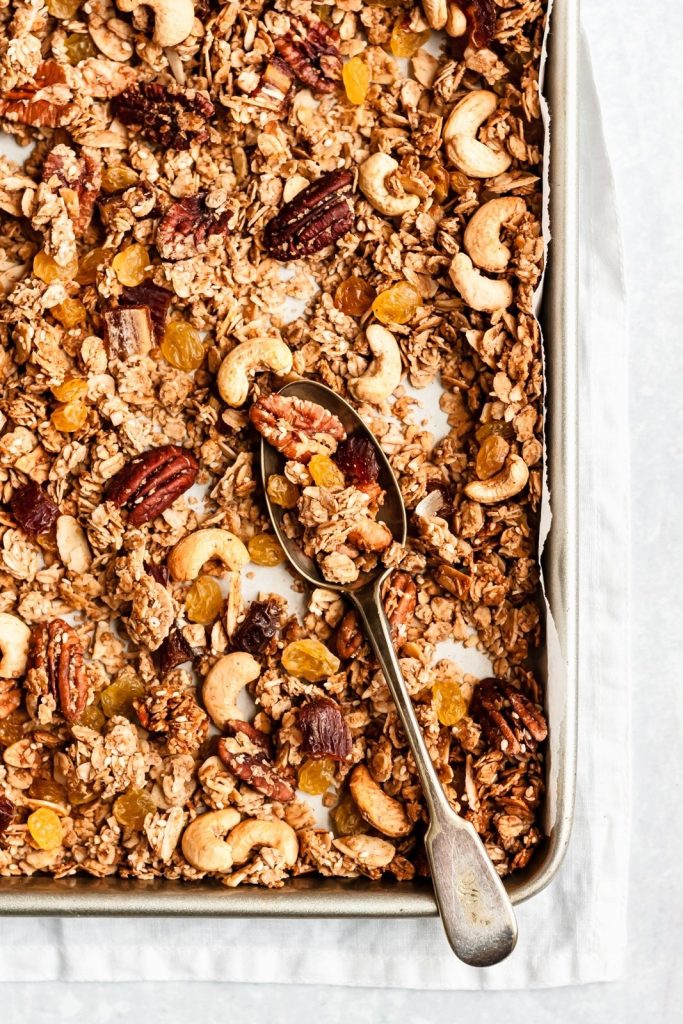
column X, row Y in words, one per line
column 637, row 52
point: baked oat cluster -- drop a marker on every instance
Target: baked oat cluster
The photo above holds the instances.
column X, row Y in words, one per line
column 196, row 168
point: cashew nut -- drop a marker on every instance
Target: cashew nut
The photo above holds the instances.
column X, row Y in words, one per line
column 192, row 552
column 456, row 22
column 173, row 19
column 384, row 373
column 484, row 294
column 248, row 357
column 205, row 841
column 507, row 482
column 381, row 811
column 224, row 681
column 436, row 13
column 482, row 234
column 460, row 136
column 371, row 181
column 370, row 851
column 255, row 832
column 72, row 545
column 14, row 641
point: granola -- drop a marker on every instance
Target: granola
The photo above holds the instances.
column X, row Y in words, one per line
column 327, row 190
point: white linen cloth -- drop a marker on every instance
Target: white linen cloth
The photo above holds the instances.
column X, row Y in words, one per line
column 575, row 931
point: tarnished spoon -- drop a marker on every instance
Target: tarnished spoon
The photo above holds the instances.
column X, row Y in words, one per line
column 475, row 909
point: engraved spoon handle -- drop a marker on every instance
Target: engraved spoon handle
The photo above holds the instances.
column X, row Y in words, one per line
column 475, row 909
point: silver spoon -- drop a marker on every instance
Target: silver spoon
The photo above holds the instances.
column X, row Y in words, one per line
column 475, row 909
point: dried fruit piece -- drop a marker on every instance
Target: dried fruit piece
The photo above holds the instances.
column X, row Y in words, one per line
column 354, row 296
column 117, row 699
column 38, row 102
column 174, row 651
column 347, row 819
column 45, row 828
column 356, row 77
column 89, row 265
column 481, row 21
column 324, row 730
column 131, row 265
column 132, row 807
column 357, row 459
column 438, row 174
column 79, row 46
column 398, row 304
column 63, row 9
column 93, row 718
column 265, row 550
column 6, row 813
column 297, row 428
column 309, row 659
column 33, row 509
column 151, row 482
column 56, row 659
column 175, row 118
column 127, row 331
column 118, row 178
column 79, row 793
column 325, row 472
column 449, row 704
column 155, row 298
column 70, row 389
column 70, row 417
column 259, row 627
column 204, row 601
column 310, row 49
column 315, row 218
column 491, row 456
column 188, row 226
column 70, row 313
column 275, row 83
column 316, row 777
column 48, row 270
column 48, row 791
column 404, row 43
column 182, row 347
column 12, row 728
column 282, row 491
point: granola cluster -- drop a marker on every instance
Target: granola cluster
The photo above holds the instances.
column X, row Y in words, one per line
column 220, row 196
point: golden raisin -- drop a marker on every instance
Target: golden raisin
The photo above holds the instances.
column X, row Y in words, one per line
column 89, row 265
column 182, row 347
column 70, row 389
column 396, row 305
column 310, row 660
column 117, row 699
column 282, row 491
column 461, row 183
column 63, row 9
column 48, row 270
column 132, row 807
column 115, row 179
column 131, row 264
column 438, row 174
column 356, row 78
column 448, row 701
column 69, row 417
column 265, row 550
column 354, row 296
column 79, row 46
column 92, row 718
column 325, row 472
column 45, row 828
column 316, row 776
column 12, row 728
column 347, row 819
column 491, row 456
column 204, row 601
column 47, row 790
column 404, row 43
column 70, row 313
column 79, row 794
column 499, row 427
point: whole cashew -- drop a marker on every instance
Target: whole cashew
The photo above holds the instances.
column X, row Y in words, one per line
column 384, row 373
column 436, row 13
column 173, row 19
column 224, row 681
column 484, row 294
column 507, row 482
column 482, row 234
column 248, row 357
column 460, row 136
column 381, row 811
column 255, row 832
column 14, row 641
column 371, row 181
column 192, row 552
column 206, row 843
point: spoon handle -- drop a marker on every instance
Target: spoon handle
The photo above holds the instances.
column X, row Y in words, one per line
column 475, row 909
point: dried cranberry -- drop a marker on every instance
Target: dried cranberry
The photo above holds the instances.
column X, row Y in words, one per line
column 157, row 572
column 259, row 627
column 174, row 651
column 157, row 300
column 33, row 509
column 6, row 813
column 324, row 730
column 357, row 459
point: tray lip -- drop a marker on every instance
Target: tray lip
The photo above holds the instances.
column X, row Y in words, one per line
column 332, row 898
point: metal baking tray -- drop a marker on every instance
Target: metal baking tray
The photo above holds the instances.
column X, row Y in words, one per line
column 321, row 897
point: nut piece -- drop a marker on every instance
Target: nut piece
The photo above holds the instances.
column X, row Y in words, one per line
column 314, row 219
column 460, row 136
column 37, row 102
column 508, row 718
column 247, row 358
column 324, row 730
column 257, row 833
column 436, row 13
column 128, row 332
column 77, row 180
column 72, row 545
column 205, row 840
column 173, row 19
column 297, row 428
column 456, row 22
column 484, row 294
column 14, row 643
column 370, row 535
column 399, row 599
column 384, row 373
column 187, row 558
column 482, row 234
column 223, row 684
column 310, row 49
column 379, row 810
column 511, row 479
column 56, row 659
column 188, row 226
column 174, row 118
column 249, row 762
column 151, row 482
column 372, row 182
column 369, row 851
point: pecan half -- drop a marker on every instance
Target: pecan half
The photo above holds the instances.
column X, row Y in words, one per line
column 187, row 227
column 247, row 760
column 349, row 638
column 297, row 428
column 175, row 118
column 128, row 331
column 508, row 719
column 78, row 179
column 313, row 219
column 56, row 658
column 310, row 49
column 44, row 102
column 324, row 732
column 261, row 739
column 157, row 300
column 151, row 482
